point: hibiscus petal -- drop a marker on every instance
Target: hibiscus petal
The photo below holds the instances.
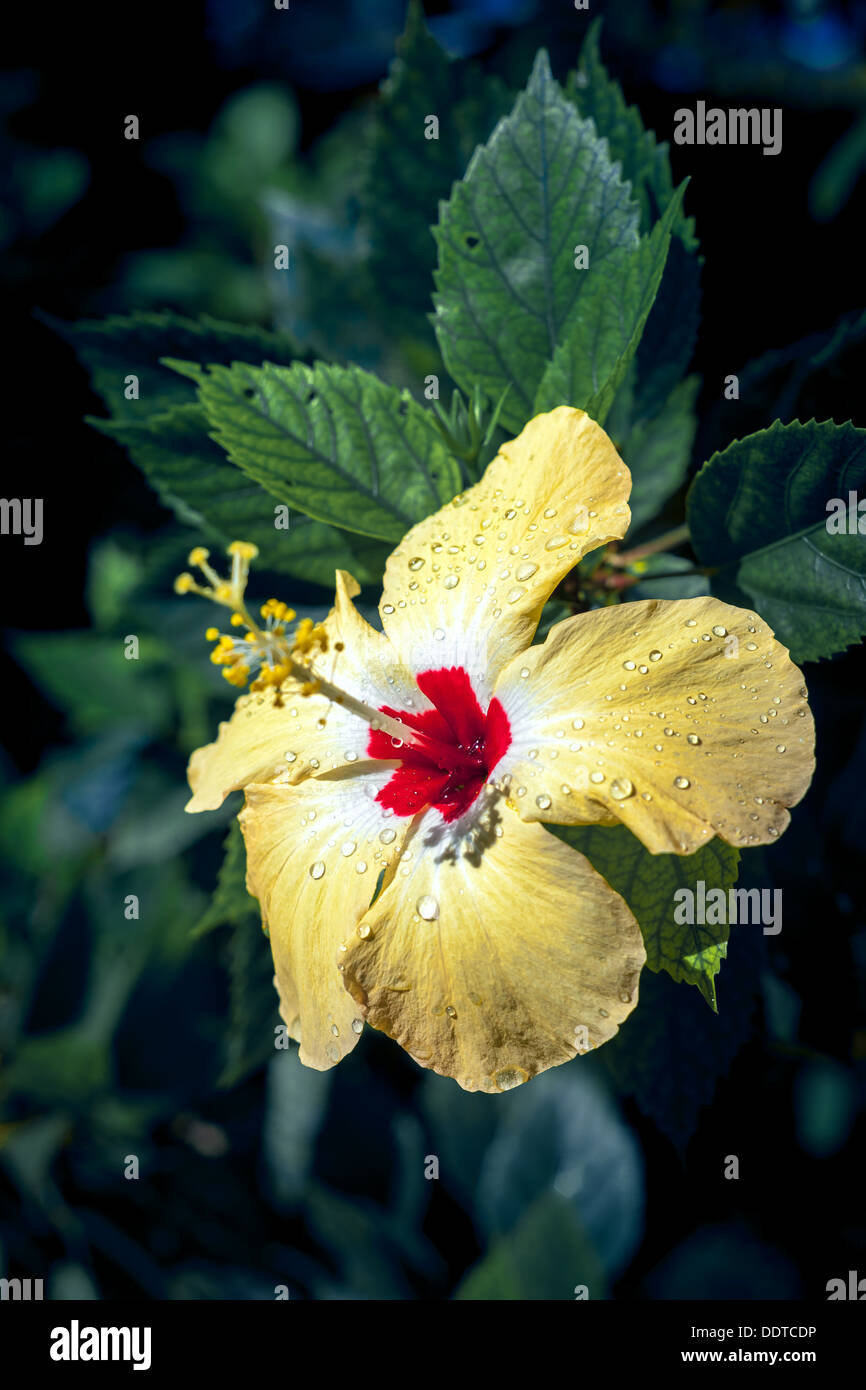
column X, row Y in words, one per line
column 305, row 735
column 314, row 854
column 495, row 954
column 466, row 587
column 683, row 719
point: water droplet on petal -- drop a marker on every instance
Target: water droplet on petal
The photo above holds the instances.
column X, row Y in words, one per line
column 451, row 581
column 682, row 783
column 357, row 1025
column 290, row 757
column 524, row 672
column 416, row 562
column 556, row 542
column 543, row 803
column 387, row 608
column 577, row 723
column 387, row 836
column 349, row 848
column 451, row 1011
column 361, row 866
column 596, row 777
column 514, row 594
column 720, row 631
column 364, row 931
column 427, row 907
column 692, row 738
column 439, row 633
column 628, row 665
column 621, row 788
column 317, row 870
column 655, row 656
column 781, row 747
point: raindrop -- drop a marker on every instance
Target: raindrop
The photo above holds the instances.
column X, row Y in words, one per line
column 525, row 571
column 349, row 848
column 596, row 777
column 364, row 931
column 357, row 1025
column 543, row 803
column 628, row 665
column 451, row 1011
column 290, row 757
column 351, row 757
column 621, row 788
column 439, row 633
column 317, row 870
column 450, row 581
column 514, row 594
column 655, row 656
column 577, row 723
column 335, row 1030
column 524, row 672
column 682, row 783
column 361, row 866
column 416, row 563
column 720, row 631
column 387, row 836
column 781, row 747
column 333, row 1052
column 387, row 608
column 692, row 738
column 556, row 542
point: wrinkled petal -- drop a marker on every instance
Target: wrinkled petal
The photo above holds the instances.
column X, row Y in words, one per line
column 466, row 587
column 494, row 951
column 314, row 854
column 682, row 719
column 305, row 735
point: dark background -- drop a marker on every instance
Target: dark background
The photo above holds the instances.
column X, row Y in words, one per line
column 774, row 272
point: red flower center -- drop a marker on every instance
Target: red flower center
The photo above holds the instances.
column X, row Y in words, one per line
column 454, row 749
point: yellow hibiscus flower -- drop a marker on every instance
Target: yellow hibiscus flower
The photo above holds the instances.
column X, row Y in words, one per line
column 396, row 782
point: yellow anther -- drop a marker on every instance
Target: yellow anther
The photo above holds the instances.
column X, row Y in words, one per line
column 310, row 687
column 236, row 619
column 198, row 555
column 224, row 592
column 212, row 634
column 237, row 675
column 184, row 584
column 245, row 549
column 226, row 642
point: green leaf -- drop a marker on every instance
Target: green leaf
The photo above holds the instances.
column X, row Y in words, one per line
column 193, row 476
column 668, row 341
column 758, row 510
column 231, row 904
column 665, row 575
column 648, row 883
column 672, row 1050
column 335, row 442
column 407, row 173
column 658, row 452
column 645, row 163
column 603, row 332
column 117, row 347
column 506, row 281
column 669, row 337
column 546, row 1256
